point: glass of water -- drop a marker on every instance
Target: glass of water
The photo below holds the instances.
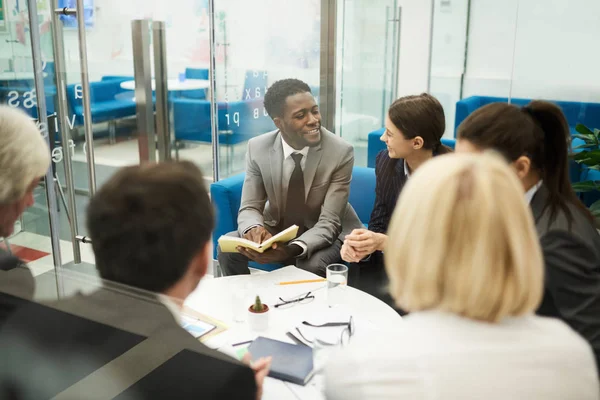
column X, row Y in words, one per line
column 337, row 282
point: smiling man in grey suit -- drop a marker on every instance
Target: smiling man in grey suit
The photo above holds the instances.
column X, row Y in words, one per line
column 298, row 174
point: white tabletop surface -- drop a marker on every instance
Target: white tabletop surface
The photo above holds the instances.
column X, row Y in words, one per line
column 13, row 76
column 173, row 84
column 214, row 297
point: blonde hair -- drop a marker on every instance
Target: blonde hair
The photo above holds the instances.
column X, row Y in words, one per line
column 462, row 240
column 24, row 154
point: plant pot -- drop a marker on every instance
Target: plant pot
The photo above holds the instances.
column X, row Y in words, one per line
column 258, row 321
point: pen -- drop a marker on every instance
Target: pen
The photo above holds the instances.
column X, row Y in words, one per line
column 302, row 281
column 241, row 343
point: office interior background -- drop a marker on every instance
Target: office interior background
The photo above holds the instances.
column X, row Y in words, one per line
column 357, row 56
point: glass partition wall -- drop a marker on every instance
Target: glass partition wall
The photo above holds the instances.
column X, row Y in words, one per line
column 514, row 51
column 135, row 87
column 112, row 88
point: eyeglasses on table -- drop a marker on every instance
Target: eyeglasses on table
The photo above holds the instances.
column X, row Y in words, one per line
column 302, row 299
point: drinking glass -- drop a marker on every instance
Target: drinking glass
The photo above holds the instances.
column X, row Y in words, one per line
column 337, row 282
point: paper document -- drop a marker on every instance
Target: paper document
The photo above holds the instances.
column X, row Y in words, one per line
column 228, row 244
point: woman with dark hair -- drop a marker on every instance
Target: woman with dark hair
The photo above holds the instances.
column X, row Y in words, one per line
column 535, row 140
column 414, row 126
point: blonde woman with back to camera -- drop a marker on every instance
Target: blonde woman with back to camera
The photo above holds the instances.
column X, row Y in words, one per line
column 471, row 276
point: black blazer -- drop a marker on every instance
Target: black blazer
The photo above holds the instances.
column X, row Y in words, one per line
column 136, row 342
column 390, row 177
column 572, row 269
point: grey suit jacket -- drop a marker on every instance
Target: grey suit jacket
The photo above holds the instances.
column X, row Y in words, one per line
column 572, row 269
column 327, row 177
column 148, row 355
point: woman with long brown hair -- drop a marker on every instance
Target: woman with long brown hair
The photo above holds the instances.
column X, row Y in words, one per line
column 414, row 126
column 535, row 141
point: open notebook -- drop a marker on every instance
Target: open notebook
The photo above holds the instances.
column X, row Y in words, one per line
column 228, row 244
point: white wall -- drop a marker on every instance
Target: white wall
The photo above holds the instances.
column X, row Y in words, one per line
column 556, row 55
column 413, row 72
column 520, row 48
column 448, row 55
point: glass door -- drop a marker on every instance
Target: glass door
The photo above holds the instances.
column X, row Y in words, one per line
column 367, row 66
column 32, row 239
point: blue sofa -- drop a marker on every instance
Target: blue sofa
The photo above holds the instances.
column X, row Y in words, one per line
column 575, row 112
column 108, row 101
column 226, row 196
column 375, row 145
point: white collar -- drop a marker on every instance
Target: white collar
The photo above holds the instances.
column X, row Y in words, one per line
column 531, row 192
column 406, row 169
column 171, row 306
column 289, row 150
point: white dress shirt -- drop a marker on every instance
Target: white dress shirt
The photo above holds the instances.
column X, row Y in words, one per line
column 288, row 168
column 532, row 191
column 434, row 355
column 172, row 306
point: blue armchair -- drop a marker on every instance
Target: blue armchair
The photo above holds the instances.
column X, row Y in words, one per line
column 375, row 145
column 108, row 101
column 226, row 196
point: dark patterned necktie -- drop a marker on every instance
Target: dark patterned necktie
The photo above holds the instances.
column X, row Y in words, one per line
column 295, row 206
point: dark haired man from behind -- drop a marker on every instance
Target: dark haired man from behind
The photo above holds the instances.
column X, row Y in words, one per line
column 150, row 227
column 535, row 140
column 297, row 174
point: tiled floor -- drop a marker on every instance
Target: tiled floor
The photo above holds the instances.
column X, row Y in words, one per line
column 24, row 253
column 41, row 244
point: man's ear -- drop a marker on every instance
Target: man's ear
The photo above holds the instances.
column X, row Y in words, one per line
column 418, row 143
column 202, row 260
column 278, row 123
column 522, row 166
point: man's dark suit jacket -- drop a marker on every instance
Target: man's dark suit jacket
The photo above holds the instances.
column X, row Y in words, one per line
column 572, row 261
column 115, row 345
column 390, row 177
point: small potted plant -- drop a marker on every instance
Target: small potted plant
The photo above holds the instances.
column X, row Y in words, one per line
column 258, row 315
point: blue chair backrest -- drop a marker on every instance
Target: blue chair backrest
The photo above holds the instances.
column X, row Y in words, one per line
column 362, row 192
column 195, row 73
column 99, row 91
column 120, row 78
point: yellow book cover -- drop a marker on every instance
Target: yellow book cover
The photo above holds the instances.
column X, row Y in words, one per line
column 228, row 244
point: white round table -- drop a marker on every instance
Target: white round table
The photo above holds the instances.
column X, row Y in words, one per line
column 173, row 84
column 215, row 298
column 14, row 76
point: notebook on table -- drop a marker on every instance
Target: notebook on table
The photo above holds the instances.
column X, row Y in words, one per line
column 291, row 362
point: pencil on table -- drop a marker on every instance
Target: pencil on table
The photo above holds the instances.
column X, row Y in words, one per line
column 302, row 281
